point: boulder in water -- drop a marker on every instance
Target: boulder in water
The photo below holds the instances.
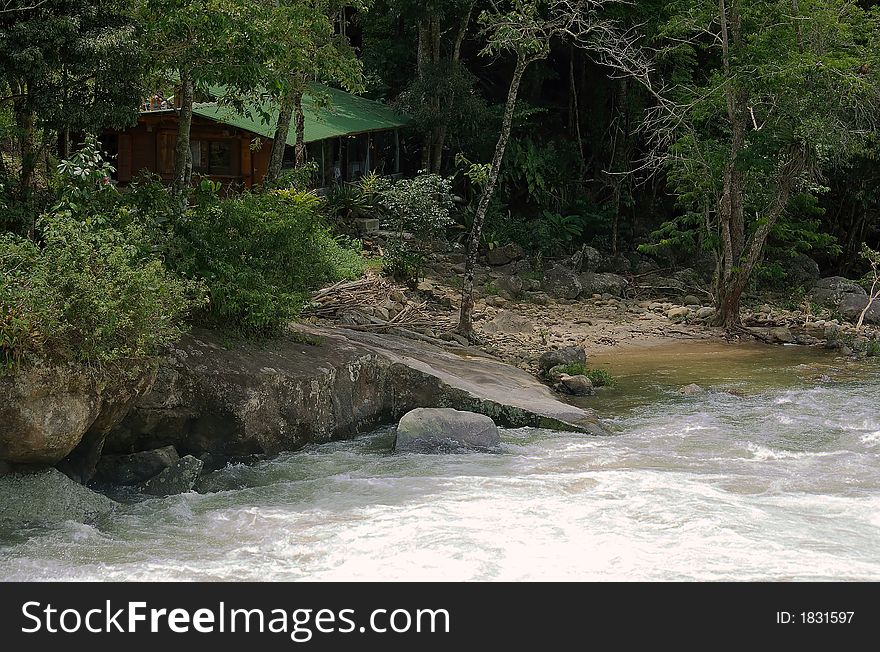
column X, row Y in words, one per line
column 577, row 385
column 177, row 479
column 136, row 467
column 48, row 496
column 426, row 430
column 690, row 390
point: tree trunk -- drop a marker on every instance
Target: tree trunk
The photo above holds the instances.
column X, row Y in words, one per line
column 727, row 304
column 27, row 146
column 279, row 143
column 465, row 319
column 300, row 148
column 182, row 154
column 733, row 278
column 437, row 149
column 574, row 118
column 422, row 58
column 439, row 135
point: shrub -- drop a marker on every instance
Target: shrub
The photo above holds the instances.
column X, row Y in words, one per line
column 260, row 255
column 90, row 287
column 89, row 294
column 421, row 206
column 599, row 377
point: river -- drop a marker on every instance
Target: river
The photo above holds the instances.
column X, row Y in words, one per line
column 770, row 475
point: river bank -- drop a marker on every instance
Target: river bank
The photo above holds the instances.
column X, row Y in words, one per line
column 357, row 364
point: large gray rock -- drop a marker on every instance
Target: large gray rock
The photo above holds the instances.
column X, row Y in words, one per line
column 242, row 399
column 45, row 412
column 509, row 287
column 176, row 479
column 136, row 467
column 846, row 297
column 801, row 271
column 47, row 497
column 509, row 322
column 562, row 283
column 61, row 414
column 564, row 356
column 592, row 260
column 829, row 291
column 592, row 283
column 504, row 255
column 852, row 305
column 618, row 265
column 425, row 430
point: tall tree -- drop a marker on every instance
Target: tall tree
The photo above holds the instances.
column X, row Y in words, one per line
column 776, row 92
column 69, row 65
column 308, row 48
column 526, row 29
column 200, row 44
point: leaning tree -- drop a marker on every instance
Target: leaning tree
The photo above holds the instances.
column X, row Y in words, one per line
column 764, row 95
column 526, row 29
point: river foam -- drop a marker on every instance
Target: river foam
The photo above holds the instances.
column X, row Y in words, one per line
column 711, row 487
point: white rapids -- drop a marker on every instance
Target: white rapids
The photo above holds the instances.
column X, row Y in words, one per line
column 780, row 484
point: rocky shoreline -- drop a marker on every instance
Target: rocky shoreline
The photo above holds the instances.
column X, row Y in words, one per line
column 350, row 370
column 211, row 401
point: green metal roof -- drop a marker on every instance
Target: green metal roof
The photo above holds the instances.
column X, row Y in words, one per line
column 328, row 113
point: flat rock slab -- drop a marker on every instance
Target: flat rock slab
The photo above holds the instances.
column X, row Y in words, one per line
column 479, row 383
column 243, row 399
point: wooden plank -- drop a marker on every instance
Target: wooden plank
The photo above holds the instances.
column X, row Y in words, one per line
column 166, row 140
column 123, row 160
column 246, row 170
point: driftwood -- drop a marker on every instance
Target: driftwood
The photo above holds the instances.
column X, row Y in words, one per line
column 331, row 302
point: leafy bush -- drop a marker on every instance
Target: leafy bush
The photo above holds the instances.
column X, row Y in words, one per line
column 90, row 288
column 599, row 377
column 260, row 255
column 300, row 177
column 87, row 295
column 421, row 206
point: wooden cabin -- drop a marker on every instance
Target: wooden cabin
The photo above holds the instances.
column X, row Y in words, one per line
column 348, row 136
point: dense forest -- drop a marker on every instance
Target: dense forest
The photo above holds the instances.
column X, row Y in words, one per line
column 735, row 137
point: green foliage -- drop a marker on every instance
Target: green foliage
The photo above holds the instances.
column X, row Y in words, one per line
column 758, row 127
column 299, row 178
column 443, row 95
column 538, row 174
column 599, row 377
column 84, row 180
column 403, row 262
column 88, row 294
column 421, row 207
column 78, row 63
column 260, row 254
column 346, row 200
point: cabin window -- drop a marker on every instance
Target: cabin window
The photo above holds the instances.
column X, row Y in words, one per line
column 215, row 157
